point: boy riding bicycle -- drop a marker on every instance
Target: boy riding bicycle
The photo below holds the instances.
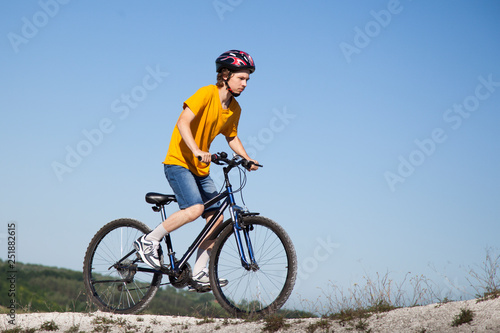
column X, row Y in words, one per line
column 211, row 111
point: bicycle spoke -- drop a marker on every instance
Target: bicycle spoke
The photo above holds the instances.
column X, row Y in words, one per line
column 112, row 274
column 255, row 291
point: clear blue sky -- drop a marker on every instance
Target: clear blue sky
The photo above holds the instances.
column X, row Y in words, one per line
column 377, row 123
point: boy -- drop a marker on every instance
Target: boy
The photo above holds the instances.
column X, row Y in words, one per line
column 211, row 111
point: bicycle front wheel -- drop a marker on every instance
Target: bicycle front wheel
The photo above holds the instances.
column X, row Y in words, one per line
column 112, row 273
column 263, row 288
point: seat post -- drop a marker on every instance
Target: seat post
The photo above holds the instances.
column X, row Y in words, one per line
column 170, row 252
column 163, row 213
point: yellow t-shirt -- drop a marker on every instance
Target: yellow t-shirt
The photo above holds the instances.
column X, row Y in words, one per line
column 210, row 120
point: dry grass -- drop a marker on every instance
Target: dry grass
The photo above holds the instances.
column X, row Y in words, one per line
column 378, row 294
column 381, row 293
column 485, row 278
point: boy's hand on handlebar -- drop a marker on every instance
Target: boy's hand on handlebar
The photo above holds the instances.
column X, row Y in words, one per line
column 221, row 159
column 204, row 157
column 253, row 165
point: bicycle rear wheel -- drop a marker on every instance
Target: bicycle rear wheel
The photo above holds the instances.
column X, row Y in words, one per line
column 265, row 288
column 114, row 286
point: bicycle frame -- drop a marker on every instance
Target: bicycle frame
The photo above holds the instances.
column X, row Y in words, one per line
column 235, row 213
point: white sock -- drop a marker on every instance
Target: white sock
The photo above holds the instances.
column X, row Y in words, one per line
column 202, row 258
column 157, row 234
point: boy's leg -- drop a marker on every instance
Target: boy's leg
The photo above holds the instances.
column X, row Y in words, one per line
column 185, row 187
column 148, row 245
column 200, row 271
column 175, row 221
column 205, row 247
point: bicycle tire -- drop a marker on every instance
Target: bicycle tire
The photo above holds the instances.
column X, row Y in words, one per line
column 102, row 279
column 254, row 293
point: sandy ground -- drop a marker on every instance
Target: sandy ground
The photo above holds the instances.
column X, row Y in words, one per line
column 429, row 318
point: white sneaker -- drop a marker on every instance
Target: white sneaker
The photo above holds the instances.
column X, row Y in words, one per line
column 149, row 251
column 202, row 280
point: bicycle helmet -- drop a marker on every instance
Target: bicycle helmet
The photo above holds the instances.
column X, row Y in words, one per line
column 235, row 60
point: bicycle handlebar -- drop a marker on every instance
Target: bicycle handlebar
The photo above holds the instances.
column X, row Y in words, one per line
column 235, row 161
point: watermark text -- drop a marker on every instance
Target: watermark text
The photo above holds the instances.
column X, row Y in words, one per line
column 11, row 272
column 31, row 26
column 94, row 137
column 453, row 117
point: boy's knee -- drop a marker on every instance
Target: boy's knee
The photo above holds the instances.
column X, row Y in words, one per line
column 194, row 211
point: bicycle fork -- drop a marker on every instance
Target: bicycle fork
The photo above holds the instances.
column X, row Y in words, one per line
column 250, row 263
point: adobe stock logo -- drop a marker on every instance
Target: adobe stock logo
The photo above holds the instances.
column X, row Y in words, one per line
column 277, row 124
column 223, row 6
column 323, row 250
column 258, row 142
column 454, row 117
column 31, row 26
column 372, row 29
column 121, row 107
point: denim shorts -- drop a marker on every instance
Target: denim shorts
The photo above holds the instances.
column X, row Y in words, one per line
column 190, row 189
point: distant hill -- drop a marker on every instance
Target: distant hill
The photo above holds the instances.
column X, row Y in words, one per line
column 40, row 288
column 49, row 289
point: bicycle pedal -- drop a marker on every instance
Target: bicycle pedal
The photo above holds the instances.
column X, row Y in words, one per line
column 199, row 289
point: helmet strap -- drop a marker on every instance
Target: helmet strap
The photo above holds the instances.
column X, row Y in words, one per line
column 230, row 90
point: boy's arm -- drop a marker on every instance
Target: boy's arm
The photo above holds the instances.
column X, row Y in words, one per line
column 236, row 145
column 184, row 126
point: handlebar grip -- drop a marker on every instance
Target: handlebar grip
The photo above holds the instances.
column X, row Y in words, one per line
column 248, row 164
column 215, row 157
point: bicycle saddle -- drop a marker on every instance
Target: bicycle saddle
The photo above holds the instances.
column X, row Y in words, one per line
column 159, row 199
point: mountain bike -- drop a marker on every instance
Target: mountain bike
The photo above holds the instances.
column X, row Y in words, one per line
column 252, row 252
